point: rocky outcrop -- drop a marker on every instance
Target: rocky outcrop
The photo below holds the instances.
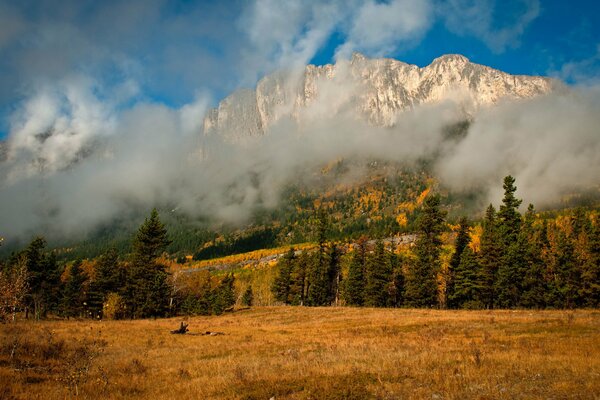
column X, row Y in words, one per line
column 374, row 89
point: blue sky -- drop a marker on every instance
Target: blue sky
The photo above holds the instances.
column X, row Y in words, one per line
column 175, row 52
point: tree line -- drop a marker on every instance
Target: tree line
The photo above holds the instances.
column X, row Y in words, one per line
column 33, row 282
column 521, row 261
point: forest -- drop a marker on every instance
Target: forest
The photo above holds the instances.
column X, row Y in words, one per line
column 505, row 261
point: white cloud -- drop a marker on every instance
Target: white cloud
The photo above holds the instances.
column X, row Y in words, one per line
column 380, row 28
column 477, row 18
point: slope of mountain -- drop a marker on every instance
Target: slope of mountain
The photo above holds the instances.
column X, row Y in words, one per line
column 375, row 89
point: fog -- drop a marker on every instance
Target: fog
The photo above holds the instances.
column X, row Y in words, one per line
column 75, row 161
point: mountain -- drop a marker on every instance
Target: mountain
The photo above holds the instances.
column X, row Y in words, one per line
column 375, row 89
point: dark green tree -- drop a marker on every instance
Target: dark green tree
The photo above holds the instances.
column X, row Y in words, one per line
column 318, row 272
column 73, row 295
column 467, row 289
column 248, row 297
column 534, row 241
column 355, row 281
column 44, row 279
column 224, row 296
column 109, row 277
column 589, row 291
column 283, row 279
column 378, row 277
column 147, row 290
column 421, row 283
column 511, row 271
column 490, row 256
column 462, row 241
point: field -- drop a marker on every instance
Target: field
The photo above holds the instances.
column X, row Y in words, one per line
column 309, row 353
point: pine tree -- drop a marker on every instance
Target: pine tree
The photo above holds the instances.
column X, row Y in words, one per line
column 44, row 278
column 109, row 278
column 396, row 286
column 378, row 276
column 73, row 295
column 462, row 241
column 490, row 255
column 421, row 284
column 318, row 272
column 283, row 279
column 355, row 281
column 511, row 271
column 533, row 241
column 248, row 297
column 589, row 292
column 467, row 278
column 224, row 296
column 334, row 274
column 298, row 281
column 147, row 289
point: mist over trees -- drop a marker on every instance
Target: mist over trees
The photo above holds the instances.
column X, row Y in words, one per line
column 507, row 260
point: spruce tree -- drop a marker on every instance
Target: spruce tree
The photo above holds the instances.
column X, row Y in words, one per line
column 589, row 292
column 355, row 281
column 467, row 278
column 334, row 274
column 378, row 276
column 318, row 272
column 43, row 278
column 224, row 296
column 512, row 267
column 283, row 279
column 490, row 255
column 462, row 241
column 298, row 281
column 248, row 297
column 73, row 296
column 147, row 290
column 534, row 242
column 421, row 283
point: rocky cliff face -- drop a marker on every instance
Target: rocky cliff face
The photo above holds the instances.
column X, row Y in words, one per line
column 375, row 89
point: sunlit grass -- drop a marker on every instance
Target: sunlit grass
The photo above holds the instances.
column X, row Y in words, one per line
column 310, row 353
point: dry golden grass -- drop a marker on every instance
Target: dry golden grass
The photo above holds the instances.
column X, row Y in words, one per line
column 309, row 353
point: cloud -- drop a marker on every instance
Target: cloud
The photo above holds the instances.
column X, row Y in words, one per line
column 478, row 19
column 380, row 28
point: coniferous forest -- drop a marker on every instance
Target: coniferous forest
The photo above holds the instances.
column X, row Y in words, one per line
column 506, row 260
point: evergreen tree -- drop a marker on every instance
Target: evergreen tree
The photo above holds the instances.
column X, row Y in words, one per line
column 462, row 241
column 224, row 296
column 318, row 273
column 490, row 255
column 396, row 286
column 147, row 289
column 589, row 292
column 421, row 284
column 248, row 297
column 334, row 274
column 283, row 279
column 467, row 288
column 355, row 282
column 73, row 296
column 298, row 280
column 534, row 241
column 44, row 278
column 378, row 276
column 109, row 278
column 511, row 271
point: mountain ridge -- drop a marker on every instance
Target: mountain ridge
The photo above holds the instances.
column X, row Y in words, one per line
column 376, row 89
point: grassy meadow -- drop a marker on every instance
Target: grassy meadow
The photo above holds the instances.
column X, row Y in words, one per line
column 309, row 353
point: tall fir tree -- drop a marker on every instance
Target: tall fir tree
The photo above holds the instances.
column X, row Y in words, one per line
column 589, row 291
column 462, row 241
column 355, row 281
column 43, row 279
column 147, row 289
column 421, row 283
column 534, row 241
column 490, row 255
column 283, row 279
column 224, row 296
column 378, row 276
column 318, row 273
column 73, row 295
column 511, row 271
column 467, row 282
